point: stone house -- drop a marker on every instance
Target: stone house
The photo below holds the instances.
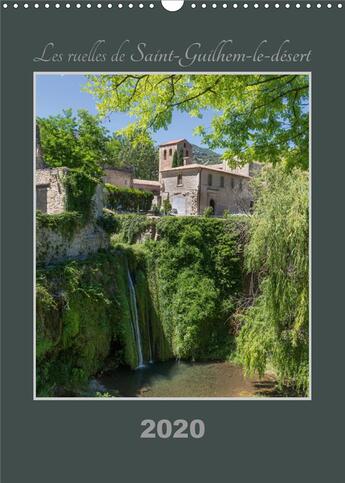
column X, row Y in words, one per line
column 191, row 187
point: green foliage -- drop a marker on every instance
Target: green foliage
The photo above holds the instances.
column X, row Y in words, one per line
column 198, row 271
column 137, row 151
column 66, row 223
column 80, row 188
column 128, row 228
column 128, row 199
column 276, row 327
column 109, row 222
column 175, row 161
column 180, row 159
column 257, row 117
column 76, row 142
column 82, row 312
column 208, row 211
column 166, row 206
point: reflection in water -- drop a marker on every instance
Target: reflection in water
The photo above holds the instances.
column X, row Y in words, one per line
column 179, row 379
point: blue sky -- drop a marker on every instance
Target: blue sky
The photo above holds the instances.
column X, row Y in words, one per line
column 57, row 92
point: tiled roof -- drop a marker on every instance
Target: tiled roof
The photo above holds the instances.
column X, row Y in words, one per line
column 202, row 166
column 174, row 142
column 148, row 182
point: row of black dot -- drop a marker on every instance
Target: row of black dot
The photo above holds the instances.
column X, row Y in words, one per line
column 192, row 5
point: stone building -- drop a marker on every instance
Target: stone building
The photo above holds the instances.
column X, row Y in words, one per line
column 191, row 187
column 50, row 190
column 118, row 177
column 167, row 150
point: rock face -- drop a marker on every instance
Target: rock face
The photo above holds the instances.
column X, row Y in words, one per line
column 53, row 247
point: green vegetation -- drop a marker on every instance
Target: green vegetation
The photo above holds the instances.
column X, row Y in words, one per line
column 83, row 318
column 66, row 223
column 186, row 286
column 127, row 228
column 276, row 327
column 80, row 188
column 257, row 117
column 82, row 141
column 137, row 151
column 128, row 199
column 76, row 142
column 198, row 268
column 166, row 206
column 175, row 161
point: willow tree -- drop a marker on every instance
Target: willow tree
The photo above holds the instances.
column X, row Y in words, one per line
column 275, row 332
column 256, row 117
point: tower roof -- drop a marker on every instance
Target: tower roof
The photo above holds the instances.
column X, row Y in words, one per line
column 176, row 141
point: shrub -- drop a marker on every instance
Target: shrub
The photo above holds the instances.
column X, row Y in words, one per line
column 128, row 199
column 80, row 188
column 66, row 223
column 166, row 207
column 208, row 212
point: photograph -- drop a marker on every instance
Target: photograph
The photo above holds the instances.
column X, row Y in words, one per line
column 172, row 235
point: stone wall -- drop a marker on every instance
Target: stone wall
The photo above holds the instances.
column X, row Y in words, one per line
column 234, row 196
column 50, row 190
column 185, row 197
column 53, row 247
column 118, row 177
column 194, row 193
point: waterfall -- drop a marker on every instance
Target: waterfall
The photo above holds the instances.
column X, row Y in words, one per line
column 135, row 320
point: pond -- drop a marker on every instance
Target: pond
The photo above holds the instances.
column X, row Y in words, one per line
column 182, row 379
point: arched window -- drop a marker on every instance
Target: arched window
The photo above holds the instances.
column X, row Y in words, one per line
column 165, row 154
column 170, row 152
column 179, row 179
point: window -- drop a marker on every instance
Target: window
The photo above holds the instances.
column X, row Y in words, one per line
column 179, row 179
column 210, row 179
column 187, row 153
column 42, row 198
column 222, row 181
column 232, row 183
column 170, row 152
column 241, row 185
column 165, row 154
column 184, row 145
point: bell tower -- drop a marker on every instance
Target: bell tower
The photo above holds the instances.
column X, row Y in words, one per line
column 167, row 150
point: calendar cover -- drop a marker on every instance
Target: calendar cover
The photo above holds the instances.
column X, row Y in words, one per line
column 172, row 240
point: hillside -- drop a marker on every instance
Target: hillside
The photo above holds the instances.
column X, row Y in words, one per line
column 205, row 156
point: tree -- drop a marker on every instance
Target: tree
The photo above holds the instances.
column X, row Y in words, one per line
column 137, row 151
column 261, row 118
column 180, row 157
column 76, row 142
column 276, row 327
column 175, row 161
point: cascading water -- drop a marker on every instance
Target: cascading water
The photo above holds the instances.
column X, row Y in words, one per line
column 135, row 320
